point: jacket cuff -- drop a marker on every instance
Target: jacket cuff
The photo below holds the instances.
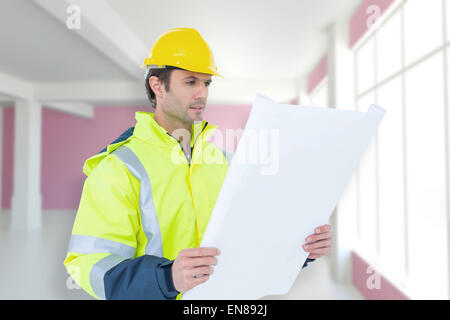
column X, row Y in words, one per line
column 307, row 261
column 165, row 280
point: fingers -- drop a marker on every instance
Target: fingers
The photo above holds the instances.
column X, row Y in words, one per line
column 322, row 229
column 199, row 252
column 188, row 263
column 193, row 266
column 322, row 232
column 201, row 271
column 196, row 281
column 196, row 262
column 318, row 237
column 318, row 244
column 193, row 278
column 194, row 257
column 321, row 250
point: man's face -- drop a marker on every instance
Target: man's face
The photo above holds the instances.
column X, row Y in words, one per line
column 187, row 96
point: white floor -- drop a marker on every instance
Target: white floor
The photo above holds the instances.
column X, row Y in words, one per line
column 32, row 266
column 315, row 283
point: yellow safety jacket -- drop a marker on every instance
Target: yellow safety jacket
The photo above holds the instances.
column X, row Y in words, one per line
column 142, row 202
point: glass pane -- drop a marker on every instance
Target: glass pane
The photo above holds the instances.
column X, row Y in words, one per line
column 367, row 193
column 305, row 100
column 346, row 219
column 391, row 181
column 365, row 62
column 447, row 18
column 423, row 28
column 426, row 172
column 389, row 49
column 320, row 97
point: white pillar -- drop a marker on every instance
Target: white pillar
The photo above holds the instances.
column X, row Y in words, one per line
column 341, row 96
column 26, row 200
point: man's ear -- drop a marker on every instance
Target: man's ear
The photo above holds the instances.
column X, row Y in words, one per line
column 157, row 86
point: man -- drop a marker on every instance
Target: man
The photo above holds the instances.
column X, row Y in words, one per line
column 149, row 195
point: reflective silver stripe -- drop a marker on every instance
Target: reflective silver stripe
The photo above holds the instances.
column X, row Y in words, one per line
column 98, row 272
column 150, row 223
column 89, row 244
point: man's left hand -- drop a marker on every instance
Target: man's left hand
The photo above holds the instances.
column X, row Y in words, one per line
column 319, row 243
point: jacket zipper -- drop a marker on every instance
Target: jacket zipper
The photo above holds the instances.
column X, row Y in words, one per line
column 192, row 149
column 195, row 140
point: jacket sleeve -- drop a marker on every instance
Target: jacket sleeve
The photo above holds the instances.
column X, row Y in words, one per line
column 101, row 254
column 144, row 278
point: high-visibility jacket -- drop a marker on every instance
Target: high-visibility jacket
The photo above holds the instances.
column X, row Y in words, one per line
column 142, row 203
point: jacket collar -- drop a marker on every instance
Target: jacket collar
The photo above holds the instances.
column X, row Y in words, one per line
column 150, row 131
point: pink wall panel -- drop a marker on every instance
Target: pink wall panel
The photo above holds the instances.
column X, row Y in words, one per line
column 364, row 17
column 365, row 280
column 358, row 27
column 67, row 141
column 228, row 118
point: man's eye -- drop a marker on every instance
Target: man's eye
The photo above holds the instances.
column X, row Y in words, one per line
column 190, row 82
column 207, row 84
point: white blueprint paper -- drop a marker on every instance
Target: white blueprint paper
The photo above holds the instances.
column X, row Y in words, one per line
column 266, row 208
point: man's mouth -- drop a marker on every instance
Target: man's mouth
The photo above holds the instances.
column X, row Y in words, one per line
column 196, row 107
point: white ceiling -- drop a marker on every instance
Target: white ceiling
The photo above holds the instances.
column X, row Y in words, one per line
column 36, row 47
column 249, row 38
column 268, row 43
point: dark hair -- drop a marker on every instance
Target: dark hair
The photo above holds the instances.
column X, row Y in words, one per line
column 164, row 76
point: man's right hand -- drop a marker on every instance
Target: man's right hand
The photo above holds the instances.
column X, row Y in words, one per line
column 192, row 267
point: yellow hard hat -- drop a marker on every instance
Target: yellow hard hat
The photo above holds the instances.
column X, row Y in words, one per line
column 183, row 48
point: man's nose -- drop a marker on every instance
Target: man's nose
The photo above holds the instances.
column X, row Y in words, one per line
column 201, row 92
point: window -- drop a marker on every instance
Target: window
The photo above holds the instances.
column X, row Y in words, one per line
column 391, row 189
column 389, row 48
column 366, row 182
column 447, row 18
column 319, row 96
column 423, row 28
column 365, row 72
column 401, row 190
column 425, row 153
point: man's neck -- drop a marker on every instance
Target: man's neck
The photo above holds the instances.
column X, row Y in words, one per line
column 172, row 124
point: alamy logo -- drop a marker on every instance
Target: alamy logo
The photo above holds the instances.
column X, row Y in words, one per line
column 374, row 14
column 260, row 147
column 73, row 22
column 374, row 280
